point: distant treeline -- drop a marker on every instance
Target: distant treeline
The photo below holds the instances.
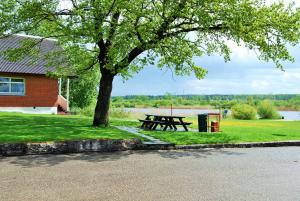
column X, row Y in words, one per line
column 213, row 97
column 281, row 101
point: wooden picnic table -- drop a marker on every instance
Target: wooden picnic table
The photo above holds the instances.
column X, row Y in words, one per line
column 165, row 121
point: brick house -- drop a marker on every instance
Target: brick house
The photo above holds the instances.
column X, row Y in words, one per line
column 25, row 86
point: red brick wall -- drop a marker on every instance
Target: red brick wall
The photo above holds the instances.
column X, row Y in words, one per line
column 40, row 91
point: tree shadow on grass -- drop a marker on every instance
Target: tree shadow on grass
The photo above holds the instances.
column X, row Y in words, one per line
column 279, row 135
column 52, row 160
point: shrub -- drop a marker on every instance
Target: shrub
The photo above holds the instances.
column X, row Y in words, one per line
column 89, row 112
column 116, row 105
column 187, row 103
column 119, row 113
column 266, row 110
column 243, row 111
column 83, row 89
column 86, row 111
column 161, row 102
column 129, row 104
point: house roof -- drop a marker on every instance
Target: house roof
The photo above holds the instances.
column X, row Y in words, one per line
column 25, row 65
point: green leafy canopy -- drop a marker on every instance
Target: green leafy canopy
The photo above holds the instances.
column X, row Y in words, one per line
column 122, row 36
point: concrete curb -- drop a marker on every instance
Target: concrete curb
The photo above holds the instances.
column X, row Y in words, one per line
column 217, row 146
column 80, row 146
column 105, row 145
column 153, row 146
column 240, row 145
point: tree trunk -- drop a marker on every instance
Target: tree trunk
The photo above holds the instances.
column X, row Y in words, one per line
column 101, row 116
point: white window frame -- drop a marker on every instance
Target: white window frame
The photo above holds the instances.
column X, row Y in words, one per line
column 10, row 82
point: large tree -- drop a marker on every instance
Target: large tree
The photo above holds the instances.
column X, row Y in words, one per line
column 122, row 36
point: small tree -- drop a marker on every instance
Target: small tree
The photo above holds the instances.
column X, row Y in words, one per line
column 83, row 89
column 244, row 112
column 120, row 36
column 266, row 110
column 250, row 100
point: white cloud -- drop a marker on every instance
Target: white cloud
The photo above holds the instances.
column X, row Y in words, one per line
column 260, row 84
column 285, row 1
column 292, row 75
column 244, row 74
column 251, row 83
column 65, row 4
column 240, row 52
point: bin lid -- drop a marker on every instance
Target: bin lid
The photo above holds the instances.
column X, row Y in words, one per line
column 203, row 114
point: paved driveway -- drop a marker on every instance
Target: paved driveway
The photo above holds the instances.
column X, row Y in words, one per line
column 217, row 174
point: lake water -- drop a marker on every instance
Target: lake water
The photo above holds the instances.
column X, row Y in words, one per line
column 288, row 115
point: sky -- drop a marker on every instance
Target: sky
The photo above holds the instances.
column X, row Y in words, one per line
column 244, row 74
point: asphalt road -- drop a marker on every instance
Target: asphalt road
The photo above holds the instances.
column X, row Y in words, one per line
column 217, row 174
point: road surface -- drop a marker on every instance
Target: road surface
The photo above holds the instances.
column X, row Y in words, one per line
column 214, row 174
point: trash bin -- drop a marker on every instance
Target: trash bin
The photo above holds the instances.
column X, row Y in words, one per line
column 202, row 122
column 215, row 126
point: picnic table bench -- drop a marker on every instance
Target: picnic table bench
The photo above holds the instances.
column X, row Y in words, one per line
column 165, row 122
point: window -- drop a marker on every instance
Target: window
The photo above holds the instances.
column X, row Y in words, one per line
column 12, row 86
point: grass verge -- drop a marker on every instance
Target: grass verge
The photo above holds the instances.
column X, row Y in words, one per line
column 235, row 131
column 17, row 127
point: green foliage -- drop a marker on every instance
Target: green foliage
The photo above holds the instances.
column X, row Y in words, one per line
column 89, row 112
column 266, row 110
column 120, row 37
column 295, row 103
column 223, row 104
column 119, row 113
column 171, row 32
column 250, row 101
column 281, row 101
column 83, row 89
column 244, row 112
column 86, row 111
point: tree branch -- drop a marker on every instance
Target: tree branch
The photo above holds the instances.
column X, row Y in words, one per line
column 218, row 27
column 113, row 27
column 130, row 57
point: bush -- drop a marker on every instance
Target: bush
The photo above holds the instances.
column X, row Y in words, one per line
column 119, row 113
column 129, row 105
column 89, row 112
column 266, row 110
column 244, row 111
column 83, row 89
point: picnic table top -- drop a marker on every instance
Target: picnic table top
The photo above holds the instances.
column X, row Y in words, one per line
column 161, row 115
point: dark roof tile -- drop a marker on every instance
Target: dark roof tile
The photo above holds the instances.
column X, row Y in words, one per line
column 25, row 65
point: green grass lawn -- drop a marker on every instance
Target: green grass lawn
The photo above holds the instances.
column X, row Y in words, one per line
column 17, row 127
column 234, row 131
